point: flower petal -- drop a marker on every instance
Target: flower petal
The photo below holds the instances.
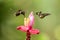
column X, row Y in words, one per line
column 22, row 28
column 34, row 31
column 31, row 18
column 26, row 22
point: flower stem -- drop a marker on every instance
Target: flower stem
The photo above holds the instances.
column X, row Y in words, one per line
column 28, row 35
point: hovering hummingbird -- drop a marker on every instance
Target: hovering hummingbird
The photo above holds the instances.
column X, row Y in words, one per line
column 42, row 15
column 20, row 12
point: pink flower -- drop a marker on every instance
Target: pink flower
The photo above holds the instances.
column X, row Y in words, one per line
column 28, row 23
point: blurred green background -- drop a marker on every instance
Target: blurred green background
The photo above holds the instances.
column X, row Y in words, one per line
column 49, row 26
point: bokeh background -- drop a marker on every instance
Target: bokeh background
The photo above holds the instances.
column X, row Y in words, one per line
column 49, row 26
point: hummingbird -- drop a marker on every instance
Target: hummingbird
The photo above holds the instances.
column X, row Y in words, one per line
column 20, row 12
column 42, row 15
